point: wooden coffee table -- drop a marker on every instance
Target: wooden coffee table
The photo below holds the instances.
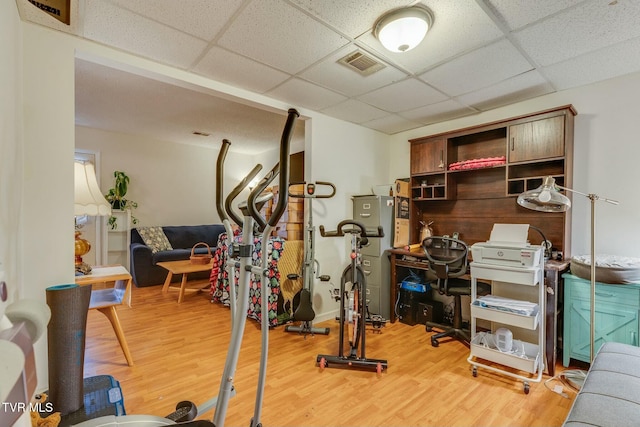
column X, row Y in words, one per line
column 184, row 267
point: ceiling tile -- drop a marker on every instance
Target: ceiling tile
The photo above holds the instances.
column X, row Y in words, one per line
column 591, row 26
column 442, row 111
column 125, row 30
column 613, row 61
column 278, row 34
column 329, row 73
column 458, row 27
column 525, row 86
column 354, row 17
column 200, row 18
column 477, row 69
column 354, row 111
column 233, row 69
column 515, row 15
column 392, row 124
column 301, row 93
column 405, row 95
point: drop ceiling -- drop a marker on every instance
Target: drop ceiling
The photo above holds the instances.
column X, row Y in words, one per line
column 479, row 55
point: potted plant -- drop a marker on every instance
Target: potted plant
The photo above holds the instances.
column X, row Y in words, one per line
column 115, row 196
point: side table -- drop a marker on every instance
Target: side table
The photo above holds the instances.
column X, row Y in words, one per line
column 183, row 267
column 106, row 300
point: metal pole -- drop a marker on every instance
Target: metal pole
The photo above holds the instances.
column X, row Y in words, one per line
column 592, row 324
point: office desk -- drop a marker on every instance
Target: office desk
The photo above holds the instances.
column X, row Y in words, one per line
column 402, row 260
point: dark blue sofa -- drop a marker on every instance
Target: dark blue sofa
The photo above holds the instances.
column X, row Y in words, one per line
column 144, row 270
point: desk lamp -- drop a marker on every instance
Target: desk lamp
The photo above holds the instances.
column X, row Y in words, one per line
column 88, row 200
column 547, row 198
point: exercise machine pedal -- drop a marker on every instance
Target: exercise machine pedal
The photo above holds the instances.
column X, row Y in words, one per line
column 185, row 411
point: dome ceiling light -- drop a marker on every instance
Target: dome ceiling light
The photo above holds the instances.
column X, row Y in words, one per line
column 400, row 30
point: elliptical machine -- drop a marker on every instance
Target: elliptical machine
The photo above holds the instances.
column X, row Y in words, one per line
column 353, row 306
column 304, row 312
column 252, row 219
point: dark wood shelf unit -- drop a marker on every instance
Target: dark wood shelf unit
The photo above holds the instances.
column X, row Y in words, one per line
column 488, row 143
column 470, row 201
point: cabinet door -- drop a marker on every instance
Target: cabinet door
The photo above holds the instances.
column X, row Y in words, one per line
column 428, row 156
column 614, row 323
column 539, row 139
column 617, row 309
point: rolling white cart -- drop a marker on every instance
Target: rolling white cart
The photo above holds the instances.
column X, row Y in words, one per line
column 517, row 285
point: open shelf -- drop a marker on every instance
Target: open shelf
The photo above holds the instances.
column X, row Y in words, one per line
column 429, row 187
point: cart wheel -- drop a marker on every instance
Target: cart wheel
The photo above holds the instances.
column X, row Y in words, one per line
column 434, row 342
column 323, row 363
column 526, row 388
column 474, row 371
column 379, row 368
column 428, row 328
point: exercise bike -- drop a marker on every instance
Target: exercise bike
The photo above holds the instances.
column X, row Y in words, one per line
column 304, row 312
column 353, row 306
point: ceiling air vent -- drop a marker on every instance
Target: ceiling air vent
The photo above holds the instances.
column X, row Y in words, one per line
column 361, row 63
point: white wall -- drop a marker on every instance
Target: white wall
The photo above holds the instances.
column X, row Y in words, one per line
column 10, row 145
column 47, row 228
column 354, row 159
column 173, row 184
column 606, row 153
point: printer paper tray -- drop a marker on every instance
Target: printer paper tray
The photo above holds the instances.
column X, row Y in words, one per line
column 529, row 276
column 493, row 315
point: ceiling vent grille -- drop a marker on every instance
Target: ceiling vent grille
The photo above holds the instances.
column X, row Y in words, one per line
column 361, row 63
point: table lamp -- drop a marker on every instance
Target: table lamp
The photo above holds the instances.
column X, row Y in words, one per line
column 547, row 198
column 88, row 200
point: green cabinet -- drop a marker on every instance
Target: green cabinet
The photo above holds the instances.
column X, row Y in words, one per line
column 616, row 316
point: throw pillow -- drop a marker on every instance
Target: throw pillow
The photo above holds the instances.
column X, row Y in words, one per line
column 155, row 238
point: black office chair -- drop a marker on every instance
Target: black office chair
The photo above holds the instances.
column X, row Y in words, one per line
column 448, row 261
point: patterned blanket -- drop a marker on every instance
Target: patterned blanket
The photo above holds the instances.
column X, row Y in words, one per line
column 220, row 281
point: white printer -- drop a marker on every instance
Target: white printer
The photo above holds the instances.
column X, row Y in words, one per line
column 507, row 246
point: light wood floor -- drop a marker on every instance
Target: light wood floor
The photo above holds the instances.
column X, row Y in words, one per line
column 179, row 353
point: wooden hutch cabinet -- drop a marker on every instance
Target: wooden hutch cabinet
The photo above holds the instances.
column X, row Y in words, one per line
column 538, row 139
column 470, row 199
column 428, row 156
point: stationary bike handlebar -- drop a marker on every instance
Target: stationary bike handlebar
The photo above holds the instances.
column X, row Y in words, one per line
column 357, row 228
column 310, row 187
column 283, row 182
column 225, row 211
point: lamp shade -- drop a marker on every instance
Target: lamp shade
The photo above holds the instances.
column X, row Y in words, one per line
column 401, row 30
column 545, row 198
column 88, row 199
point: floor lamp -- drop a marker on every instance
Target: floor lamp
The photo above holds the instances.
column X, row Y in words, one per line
column 88, row 200
column 547, row 198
